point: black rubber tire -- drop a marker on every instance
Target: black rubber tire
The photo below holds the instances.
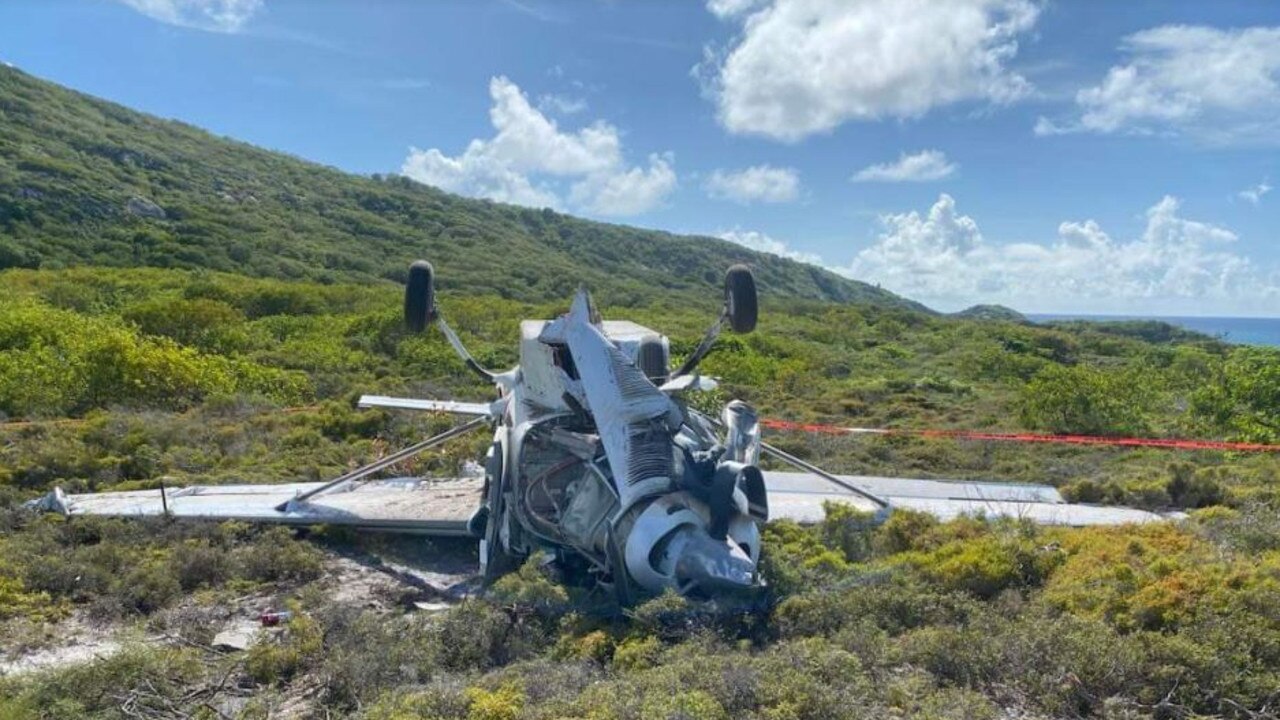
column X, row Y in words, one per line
column 651, row 359
column 420, row 296
column 740, row 298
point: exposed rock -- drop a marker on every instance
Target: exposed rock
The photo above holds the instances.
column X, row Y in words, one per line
column 143, row 207
column 26, row 193
column 236, row 635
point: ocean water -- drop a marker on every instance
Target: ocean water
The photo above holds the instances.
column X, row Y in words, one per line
column 1242, row 331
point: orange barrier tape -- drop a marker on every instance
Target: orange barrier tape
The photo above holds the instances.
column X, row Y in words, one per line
column 1173, row 444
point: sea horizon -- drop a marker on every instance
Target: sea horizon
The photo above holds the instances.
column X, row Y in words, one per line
column 1235, row 330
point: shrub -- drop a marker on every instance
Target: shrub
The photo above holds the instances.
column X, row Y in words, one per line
column 895, row 605
column 681, row 705
column 1083, row 399
column 150, row 586
column 275, row 555
column 847, row 530
column 670, row 616
column 474, row 635
column 439, row 700
column 530, row 588
column 637, row 653
column 1189, row 488
column 153, row 679
column 278, row 659
column 503, row 703
column 904, row 530
column 986, row 566
column 367, row 652
column 195, row 563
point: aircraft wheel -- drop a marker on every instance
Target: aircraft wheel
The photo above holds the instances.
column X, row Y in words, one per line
column 420, row 296
column 651, row 359
column 740, row 298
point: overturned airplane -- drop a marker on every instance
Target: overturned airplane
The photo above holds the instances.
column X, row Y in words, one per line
column 597, row 459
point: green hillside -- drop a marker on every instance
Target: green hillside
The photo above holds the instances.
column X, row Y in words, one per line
column 87, row 182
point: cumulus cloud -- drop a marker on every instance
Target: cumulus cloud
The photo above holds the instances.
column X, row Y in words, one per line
column 761, row 242
column 626, row 192
column 1220, row 86
column 725, row 9
column 800, row 67
column 923, row 166
column 1254, row 194
column 227, row 16
column 1175, row 266
column 561, row 104
column 530, row 158
column 759, row 183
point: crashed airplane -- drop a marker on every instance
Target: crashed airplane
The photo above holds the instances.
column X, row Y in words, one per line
column 597, row 459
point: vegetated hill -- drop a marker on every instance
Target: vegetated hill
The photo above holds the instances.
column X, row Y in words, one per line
column 991, row 312
column 1152, row 331
column 88, row 182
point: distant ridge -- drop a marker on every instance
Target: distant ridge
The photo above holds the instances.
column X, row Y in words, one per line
column 88, row 182
column 991, row 312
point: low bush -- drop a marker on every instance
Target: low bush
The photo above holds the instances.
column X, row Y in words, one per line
column 284, row 654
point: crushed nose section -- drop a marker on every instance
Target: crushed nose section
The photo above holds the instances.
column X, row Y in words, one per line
column 669, row 546
column 714, row 567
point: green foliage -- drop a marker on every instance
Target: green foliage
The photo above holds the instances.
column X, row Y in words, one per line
column 152, row 678
column 277, row 556
column 1087, row 400
column 280, row 657
column 503, row 703
column 57, row 362
column 121, row 567
column 529, row 587
column 987, row 565
column 1246, row 397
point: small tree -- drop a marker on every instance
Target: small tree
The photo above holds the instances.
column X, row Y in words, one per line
column 1083, row 399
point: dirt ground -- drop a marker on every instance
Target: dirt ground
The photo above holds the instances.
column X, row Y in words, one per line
column 379, row 573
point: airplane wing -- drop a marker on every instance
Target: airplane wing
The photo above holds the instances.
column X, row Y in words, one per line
column 441, row 507
column 799, row 496
column 403, row 505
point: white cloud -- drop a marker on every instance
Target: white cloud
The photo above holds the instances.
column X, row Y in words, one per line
column 1175, row 266
column 1219, row 86
column 561, row 104
column 227, row 16
column 923, row 166
column 726, row 9
column 626, row 192
column 1255, row 193
column 806, row 66
column 759, row 183
column 529, row 157
column 761, row 242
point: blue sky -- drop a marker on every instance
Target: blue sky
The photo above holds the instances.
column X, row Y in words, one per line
column 1052, row 156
